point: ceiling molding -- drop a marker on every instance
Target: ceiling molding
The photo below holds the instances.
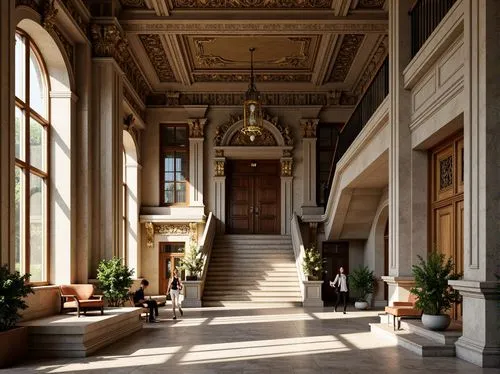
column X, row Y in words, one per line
column 251, row 4
column 156, row 52
column 218, row 77
column 347, row 53
column 374, row 62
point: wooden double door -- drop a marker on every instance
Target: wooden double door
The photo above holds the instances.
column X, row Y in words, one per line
column 253, row 197
column 447, row 206
column 335, row 255
column 171, row 255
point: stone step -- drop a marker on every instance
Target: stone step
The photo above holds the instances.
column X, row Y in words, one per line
column 251, row 304
column 252, row 292
column 260, row 299
column 253, row 262
column 252, row 237
column 418, row 344
column 256, row 251
column 448, row 337
column 292, row 284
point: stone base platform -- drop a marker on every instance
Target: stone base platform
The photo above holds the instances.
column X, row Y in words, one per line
column 66, row 335
column 416, row 338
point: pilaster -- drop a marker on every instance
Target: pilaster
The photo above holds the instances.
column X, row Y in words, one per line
column 220, row 193
column 309, row 205
column 480, row 342
column 7, row 29
column 196, row 139
column 107, row 118
column 286, row 193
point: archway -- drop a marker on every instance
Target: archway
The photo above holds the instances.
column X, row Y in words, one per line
column 131, row 204
column 381, row 254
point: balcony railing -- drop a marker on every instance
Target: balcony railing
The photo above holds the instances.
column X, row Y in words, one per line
column 371, row 100
column 425, row 15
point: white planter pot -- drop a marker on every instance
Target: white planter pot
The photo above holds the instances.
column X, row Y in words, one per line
column 361, row 305
column 436, row 322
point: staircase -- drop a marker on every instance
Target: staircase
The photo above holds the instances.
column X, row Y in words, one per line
column 252, row 268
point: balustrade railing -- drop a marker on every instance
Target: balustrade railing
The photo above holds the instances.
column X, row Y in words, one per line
column 425, row 15
column 371, row 100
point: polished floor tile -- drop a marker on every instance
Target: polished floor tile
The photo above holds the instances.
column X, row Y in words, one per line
column 252, row 340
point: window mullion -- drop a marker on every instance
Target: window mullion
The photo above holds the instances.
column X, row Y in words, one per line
column 27, row 174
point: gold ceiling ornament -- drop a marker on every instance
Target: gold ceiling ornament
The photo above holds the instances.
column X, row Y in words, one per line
column 252, row 107
column 265, row 139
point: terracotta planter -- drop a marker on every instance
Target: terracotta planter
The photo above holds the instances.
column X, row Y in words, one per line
column 13, row 345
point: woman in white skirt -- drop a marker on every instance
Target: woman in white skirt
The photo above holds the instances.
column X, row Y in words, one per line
column 174, row 288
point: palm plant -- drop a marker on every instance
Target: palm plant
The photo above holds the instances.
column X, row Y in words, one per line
column 193, row 261
column 115, row 280
column 362, row 282
column 13, row 289
column 434, row 294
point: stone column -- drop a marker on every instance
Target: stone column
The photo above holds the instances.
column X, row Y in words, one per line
column 107, row 90
column 7, row 29
column 480, row 288
column 286, row 192
column 403, row 194
column 220, row 193
column 196, row 138
column 309, row 204
column 133, row 253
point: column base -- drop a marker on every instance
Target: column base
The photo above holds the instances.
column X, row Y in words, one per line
column 312, row 294
column 399, row 287
column 480, row 342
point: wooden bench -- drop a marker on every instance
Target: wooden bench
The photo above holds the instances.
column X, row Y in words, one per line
column 80, row 297
column 401, row 309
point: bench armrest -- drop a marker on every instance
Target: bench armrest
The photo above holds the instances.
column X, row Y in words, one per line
column 403, row 303
column 98, row 297
column 66, row 297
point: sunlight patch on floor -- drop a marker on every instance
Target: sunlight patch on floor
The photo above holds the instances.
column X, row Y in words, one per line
column 260, row 319
column 259, row 349
column 148, row 356
column 367, row 340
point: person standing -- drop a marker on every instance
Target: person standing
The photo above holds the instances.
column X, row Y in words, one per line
column 174, row 288
column 340, row 282
column 140, row 300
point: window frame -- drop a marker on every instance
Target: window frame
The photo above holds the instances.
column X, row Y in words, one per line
column 164, row 148
column 25, row 166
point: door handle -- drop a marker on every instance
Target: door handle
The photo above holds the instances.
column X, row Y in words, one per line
column 256, row 211
column 251, row 210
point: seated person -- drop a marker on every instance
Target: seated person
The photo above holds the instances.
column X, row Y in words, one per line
column 139, row 300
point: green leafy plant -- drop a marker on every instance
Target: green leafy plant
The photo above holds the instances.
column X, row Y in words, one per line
column 193, row 261
column 13, row 290
column 362, row 282
column 115, row 280
column 312, row 264
column 434, row 294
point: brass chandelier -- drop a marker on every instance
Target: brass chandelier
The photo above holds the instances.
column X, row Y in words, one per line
column 252, row 107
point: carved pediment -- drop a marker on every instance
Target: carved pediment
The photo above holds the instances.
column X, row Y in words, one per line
column 265, row 139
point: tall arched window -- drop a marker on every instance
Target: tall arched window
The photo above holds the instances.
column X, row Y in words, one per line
column 31, row 171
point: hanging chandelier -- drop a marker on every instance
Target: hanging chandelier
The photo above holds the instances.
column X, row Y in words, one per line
column 252, row 107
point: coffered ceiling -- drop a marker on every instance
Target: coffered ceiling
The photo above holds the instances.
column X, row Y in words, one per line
column 301, row 45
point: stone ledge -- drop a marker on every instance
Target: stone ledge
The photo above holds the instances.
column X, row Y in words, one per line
column 69, row 336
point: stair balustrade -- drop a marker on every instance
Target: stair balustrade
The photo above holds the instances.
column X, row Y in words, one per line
column 298, row 250
column 206, row 245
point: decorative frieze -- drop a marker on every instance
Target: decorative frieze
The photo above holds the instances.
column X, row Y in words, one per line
column 219, row 168
column 49, row 14
column 197, row 127
column 372, row 67
column 309, row 128
column 156, row 53
column 107, row 41
column 193, row 233
column 68, row 47
column 75, row 13
column 370, row 4
column 172, row 229
column 219, row 153
column 133, row 4
column 276, row 77
column 245, row 4
column 286, row 167
column 265, row 139
column 347, row 53
column 222, row 129
column 133, row 102
column 150, row 234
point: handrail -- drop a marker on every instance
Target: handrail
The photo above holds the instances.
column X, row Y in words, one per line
column 298, row 250
column 369, row 103
column 206, row 244
column 425, row 16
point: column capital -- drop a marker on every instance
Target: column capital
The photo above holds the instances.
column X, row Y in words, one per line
column 286, row 166
column 308, row 126
column 197, row 127
column 219, row 166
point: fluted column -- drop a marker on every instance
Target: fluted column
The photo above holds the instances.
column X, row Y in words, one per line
column 286, row 192
column 196, row 139
column 220, row 192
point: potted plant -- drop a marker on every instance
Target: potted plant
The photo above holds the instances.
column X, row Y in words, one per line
column 193, row 262
column 115, row 280
column 13, row 340
column 362, row 282
column 434, row 294
column 312, row 264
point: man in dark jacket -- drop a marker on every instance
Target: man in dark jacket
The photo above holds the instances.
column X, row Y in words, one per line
column 140, row 300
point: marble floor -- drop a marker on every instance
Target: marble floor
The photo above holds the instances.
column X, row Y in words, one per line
column 254, row 340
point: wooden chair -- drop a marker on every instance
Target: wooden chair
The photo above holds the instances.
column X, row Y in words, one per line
column 80, row 297
column 145, row 308
column 401, row 309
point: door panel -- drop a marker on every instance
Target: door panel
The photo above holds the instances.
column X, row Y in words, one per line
column 459, row 249
column 254, row 197
column 444, row 230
